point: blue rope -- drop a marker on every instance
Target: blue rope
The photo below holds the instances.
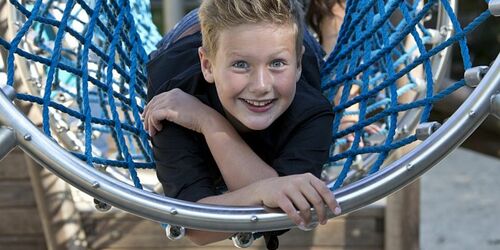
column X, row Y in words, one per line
column 53, row 65
column 85, row 86
column 20, row 34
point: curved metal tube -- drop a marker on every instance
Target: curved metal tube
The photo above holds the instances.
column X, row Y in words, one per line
column 250, row 219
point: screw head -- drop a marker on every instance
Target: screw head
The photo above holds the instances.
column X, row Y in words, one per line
column 27, row 137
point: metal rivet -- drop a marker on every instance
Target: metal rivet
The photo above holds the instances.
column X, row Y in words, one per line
column 96, row 184
column 27, row 137
column 173, row 211
column 409, row 166
column 254, row 219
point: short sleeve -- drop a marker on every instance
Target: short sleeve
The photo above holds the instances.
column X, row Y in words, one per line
column 181, row 163
column 307, row 148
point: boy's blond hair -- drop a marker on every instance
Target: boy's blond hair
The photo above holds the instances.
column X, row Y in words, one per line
column 218, row 15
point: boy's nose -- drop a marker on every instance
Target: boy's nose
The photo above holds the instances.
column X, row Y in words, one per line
column 261, row 81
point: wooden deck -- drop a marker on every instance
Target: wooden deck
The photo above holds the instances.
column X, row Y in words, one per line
column 20, row 227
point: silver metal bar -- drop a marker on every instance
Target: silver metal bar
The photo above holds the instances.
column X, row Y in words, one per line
column 9, row 92
column 7, row 141
column 251, row 219
column 494, row 7
column 446, row 29
column 7, row 136
column 495, row 105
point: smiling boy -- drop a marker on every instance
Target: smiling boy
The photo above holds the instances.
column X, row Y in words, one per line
column 237, row 105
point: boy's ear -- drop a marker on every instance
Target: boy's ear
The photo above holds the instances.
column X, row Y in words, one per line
column 206, row 65
column 299, row 64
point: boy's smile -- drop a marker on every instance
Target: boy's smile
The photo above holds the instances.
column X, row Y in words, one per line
column 255, row 70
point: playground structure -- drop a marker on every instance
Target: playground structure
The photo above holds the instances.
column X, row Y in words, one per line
column 436, row 142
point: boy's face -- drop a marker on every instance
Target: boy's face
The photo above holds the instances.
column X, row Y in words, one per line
column 255, row 70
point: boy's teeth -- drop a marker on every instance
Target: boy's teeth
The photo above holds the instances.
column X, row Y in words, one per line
column 258, row 104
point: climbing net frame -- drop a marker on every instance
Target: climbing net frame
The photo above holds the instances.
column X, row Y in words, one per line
column 218, row 218
column 250, row 219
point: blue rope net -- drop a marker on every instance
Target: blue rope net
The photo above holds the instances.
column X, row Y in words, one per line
column 372, row 52
column 89, row 60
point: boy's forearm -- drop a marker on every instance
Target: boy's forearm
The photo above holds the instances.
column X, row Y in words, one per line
column 237, row 162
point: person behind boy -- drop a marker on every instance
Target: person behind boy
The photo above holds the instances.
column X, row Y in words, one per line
column 238, row 105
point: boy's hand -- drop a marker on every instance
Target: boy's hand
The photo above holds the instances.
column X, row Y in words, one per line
column 175, row 106
column 296, row 193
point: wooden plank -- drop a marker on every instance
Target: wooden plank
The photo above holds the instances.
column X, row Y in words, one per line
column 12, row 167
column 20, row 221
column 59, row 218
column 16, row 194
column 22, row 242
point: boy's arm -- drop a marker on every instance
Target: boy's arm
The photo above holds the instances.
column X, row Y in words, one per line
column 238, row 164
column 292, row 194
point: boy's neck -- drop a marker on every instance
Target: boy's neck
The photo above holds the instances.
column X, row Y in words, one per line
column 236, row 123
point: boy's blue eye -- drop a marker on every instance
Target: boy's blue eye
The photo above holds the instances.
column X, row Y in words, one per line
column 240, row 64
column 277, row 63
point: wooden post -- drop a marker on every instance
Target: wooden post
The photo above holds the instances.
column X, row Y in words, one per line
column 402, row 214
column 60, row 219
column 402, row 219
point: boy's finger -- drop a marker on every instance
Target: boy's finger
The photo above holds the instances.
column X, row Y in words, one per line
column 149, row 127
column 287, row 207
column 302, row 204
column 145, row 123
column 327, row 196
column 145, row 111
column 315, row 199
column 156, row 126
